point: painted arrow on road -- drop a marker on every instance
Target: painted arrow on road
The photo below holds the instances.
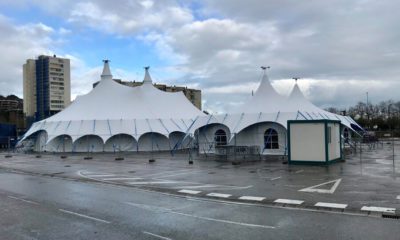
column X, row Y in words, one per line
column 322, row 190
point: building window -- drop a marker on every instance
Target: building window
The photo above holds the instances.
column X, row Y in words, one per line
column 271, row 139
column 220, row 138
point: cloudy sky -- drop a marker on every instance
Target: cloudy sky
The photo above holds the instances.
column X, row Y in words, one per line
column 341, row 49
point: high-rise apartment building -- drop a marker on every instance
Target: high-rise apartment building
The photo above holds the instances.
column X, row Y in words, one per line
column 47, row 86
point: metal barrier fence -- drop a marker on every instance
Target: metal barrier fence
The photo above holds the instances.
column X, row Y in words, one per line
column 374, row 146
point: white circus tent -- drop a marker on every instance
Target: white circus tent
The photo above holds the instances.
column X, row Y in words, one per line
column 262, row 120
column 114, row 117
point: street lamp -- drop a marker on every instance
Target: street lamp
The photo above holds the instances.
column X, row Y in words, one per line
column 367, row 111
column 391, row 130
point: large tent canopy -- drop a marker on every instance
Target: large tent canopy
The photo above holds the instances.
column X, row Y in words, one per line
column 266, row 105
column 145, row 117
column 111, row 109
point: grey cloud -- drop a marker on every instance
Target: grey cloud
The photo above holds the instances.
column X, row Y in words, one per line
column 329, row 41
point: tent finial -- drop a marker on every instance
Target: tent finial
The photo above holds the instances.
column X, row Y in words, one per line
column 147, row 78
column 106, row 74
column 265, row 68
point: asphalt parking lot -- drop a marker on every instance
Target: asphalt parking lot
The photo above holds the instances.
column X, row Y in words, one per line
column 368, row 181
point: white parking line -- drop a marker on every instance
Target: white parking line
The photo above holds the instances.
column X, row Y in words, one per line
column 378, row 209
column 219, row 195
column 331, row 205
column 398, row 197
column 176, row 174
column 319, row 190
column 121, row 178
column 100, row 175
column 299, row 171
column 223, row 221
column 23, row 200
column 153, row 182
column 288, row 201
column 222, row 187
column 84, row 216
column 273, row 179
column 167, row 210
column 160, row 174
column 251, row 198
column 157, row 236
column 189, row 191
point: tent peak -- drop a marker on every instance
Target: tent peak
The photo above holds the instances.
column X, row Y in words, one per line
column 106, row 74
column 147, row 79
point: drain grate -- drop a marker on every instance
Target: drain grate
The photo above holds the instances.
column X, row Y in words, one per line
column 391, row 216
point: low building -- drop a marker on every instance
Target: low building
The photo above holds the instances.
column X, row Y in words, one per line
column 193, row 95
column 12, row 122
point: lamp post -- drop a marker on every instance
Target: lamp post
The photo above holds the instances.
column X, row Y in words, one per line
column 367, row 111
column 391, row 131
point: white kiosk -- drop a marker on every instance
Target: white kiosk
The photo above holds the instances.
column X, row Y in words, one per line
column 314, row 142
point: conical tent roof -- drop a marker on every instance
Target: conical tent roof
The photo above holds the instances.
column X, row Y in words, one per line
column 265, row 99
column 298, row 102
column 268, row 105
column 111, row 100
column 111, row 108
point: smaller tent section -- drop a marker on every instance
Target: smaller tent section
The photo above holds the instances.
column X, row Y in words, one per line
column 261, row 122
column 113, row 117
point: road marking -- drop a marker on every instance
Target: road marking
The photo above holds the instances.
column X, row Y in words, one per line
column 167, row 210
column 223, row 221
column 219, row 195
column 23, row 200
column 378, row 209
column 84, row 216
column 299, row 171
column 331, row 205
column 398, row 197
column 189, row 191
column 288, row 201
column 272, row 179
column 164, row 173
column 251, row 198
column 318, row 190
column 176, row 174
column 100, row 175
column 200, row 186
column 223, row 187
column 153, row 182
column 157, row 236
column 149, row 207
column 121, row 178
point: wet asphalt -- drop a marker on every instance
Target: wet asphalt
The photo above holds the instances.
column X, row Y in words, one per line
column 72, row 198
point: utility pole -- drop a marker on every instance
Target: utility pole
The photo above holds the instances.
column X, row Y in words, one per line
column 367, row 111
